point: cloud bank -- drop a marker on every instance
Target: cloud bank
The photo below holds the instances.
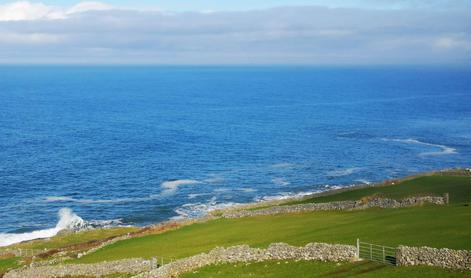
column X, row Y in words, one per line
column 94, row 32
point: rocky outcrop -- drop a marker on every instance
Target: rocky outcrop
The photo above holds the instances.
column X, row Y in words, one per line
column 93, row 270
column 340, row 205
column 245, row 254
column 446, row 258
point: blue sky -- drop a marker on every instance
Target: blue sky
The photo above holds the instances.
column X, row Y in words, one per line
column 236, row 32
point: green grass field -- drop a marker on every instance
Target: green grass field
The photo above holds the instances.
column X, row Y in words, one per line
column 458, row 187
column 435, row 226
column 7, row 263
column 302, row 269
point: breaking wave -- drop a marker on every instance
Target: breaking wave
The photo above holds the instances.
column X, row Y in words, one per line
column 195, row 210
column 68, row 220
column 444, row 150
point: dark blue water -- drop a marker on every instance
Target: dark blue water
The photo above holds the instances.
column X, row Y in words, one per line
column 144, row 144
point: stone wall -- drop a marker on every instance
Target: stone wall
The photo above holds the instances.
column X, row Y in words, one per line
column 446, row 258
column 244, row 254
column 340, row 205
column 93, row 270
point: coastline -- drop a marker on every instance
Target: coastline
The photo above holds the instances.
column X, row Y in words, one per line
column 327, row 192
column 171, row 224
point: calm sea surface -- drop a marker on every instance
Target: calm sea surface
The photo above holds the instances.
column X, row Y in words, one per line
column 144, row 144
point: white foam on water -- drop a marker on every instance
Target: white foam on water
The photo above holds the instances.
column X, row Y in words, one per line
column 280, row 181
column 286, row 195
column 68, row 220
column 444, row 150
column 364, row 181
column 56, row 199
column 283, row 165
column 215, row 178
column 170, row 187
column 195, row 195
column 343, row 172
column 195, row 210
column 223, row 190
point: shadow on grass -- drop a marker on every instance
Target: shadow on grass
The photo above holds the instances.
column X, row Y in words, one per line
column 356, row 268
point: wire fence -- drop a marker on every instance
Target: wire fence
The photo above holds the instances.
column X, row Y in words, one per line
column 21, row 252
column 376, row 253
column 160, row 261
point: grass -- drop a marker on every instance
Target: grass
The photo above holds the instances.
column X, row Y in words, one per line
column 8, row 263
column 459, row 188
column 435, row 226
column 281, row 269
column 429, row 225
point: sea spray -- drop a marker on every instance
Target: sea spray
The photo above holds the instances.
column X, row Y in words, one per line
column 68, row 220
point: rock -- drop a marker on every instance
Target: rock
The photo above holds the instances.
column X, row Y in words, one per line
column 445, row 258
column 340, row 205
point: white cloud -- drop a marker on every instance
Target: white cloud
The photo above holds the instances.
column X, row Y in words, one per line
column 452, row 43
column 29, row 38
column 89, row 6
column 296, row 35
column 25, row 10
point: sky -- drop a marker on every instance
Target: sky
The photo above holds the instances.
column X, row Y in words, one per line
column 313, row 32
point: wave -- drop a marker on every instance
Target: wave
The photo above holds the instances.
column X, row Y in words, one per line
column 363, row 181
column 215, row 178
column 170, row 187
column 55, row 199
column 343, row 172
column 444, row 150
column 68, row 220
column 280, row 182
column 283, row 165
column 196, row 210
column 286, row 195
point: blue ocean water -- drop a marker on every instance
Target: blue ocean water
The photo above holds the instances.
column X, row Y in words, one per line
column 145, row 144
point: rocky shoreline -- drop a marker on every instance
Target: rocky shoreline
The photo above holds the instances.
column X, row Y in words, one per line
column 341, row 205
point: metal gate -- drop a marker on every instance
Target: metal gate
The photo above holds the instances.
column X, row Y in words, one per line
column 376, row 253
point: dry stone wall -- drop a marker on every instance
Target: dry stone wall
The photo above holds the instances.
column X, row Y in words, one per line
column 245, row 254
column 93, row 270
column 340, row 205
column 446, row 258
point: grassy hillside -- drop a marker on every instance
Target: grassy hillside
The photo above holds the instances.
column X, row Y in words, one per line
column 7, row 263
column 430, row 225
column 459, row 188
column 435, row 226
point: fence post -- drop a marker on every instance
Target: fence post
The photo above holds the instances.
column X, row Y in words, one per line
column 154, row 263
column 384, row 256
column 371, row 251
column 358, row 248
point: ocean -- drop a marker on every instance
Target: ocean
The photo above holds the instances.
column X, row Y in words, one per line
column 134, row 145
